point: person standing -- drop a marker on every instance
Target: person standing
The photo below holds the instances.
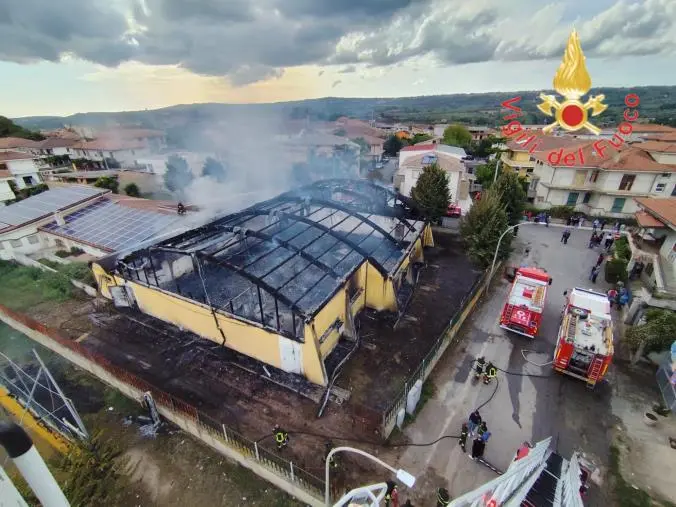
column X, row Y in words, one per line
column 464, row 433
column 595, row 273
column 474, row 421
column 592, row 240
column 595, row 224
column 603, row 224
column 565, row 236
column 609, row 241
column 546, row 219
column 612, row 297
column 600, row 259
column 478, row 448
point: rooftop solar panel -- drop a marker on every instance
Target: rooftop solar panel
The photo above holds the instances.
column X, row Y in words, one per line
column 44, row 204
column 111, row 226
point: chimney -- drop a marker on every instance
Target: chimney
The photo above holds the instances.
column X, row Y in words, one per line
column 59, row 219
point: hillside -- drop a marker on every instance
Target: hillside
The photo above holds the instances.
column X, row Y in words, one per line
column 658, row 103
column 10, row 129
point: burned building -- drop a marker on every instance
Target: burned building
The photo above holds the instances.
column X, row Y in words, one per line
column 283, row 280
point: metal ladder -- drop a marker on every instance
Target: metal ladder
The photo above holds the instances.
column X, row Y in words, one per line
column 539, row 296
column 596, row 366
column 510, row 309
column 572, row 328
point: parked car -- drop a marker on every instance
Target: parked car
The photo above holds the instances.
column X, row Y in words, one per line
column 454, row 211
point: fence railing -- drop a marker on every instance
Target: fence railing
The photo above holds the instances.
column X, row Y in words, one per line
column 448, row 336
column 226, row 435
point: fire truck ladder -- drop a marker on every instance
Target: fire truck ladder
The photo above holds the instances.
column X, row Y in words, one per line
column 508, row 313
column 595, row 370
column 572, row 328
column 538, row 297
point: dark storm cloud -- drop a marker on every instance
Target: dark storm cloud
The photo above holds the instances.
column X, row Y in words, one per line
column 34, row 30
column 251, row 40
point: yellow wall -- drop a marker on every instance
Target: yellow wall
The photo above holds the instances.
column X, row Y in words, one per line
column 248, row 339
column 379, row 291
column 517, row 161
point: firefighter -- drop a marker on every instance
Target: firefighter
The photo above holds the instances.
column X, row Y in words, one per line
column 479, row 368
column 333, row 462
column 491, row 373
column 281, row 437
column 464, row 432
column 391, row 495
column 181, row 208
column 443, row 497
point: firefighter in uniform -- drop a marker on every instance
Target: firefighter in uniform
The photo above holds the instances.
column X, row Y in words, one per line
column 391, row 495
column 491, row 373
column 464, row 432
column 181, row 208
column 443, row 497
column 281, row 437
column 479, row 367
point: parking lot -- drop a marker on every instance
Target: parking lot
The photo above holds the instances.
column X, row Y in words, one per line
column 532, row 402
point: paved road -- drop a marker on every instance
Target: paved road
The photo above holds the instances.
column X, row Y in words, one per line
column 523, row 407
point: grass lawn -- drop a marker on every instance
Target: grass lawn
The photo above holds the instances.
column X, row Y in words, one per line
column 23, row 287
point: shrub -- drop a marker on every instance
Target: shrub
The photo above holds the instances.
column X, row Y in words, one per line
column 78, row 271
column 76, row 251
column 132, row 190
column 62, row 253
column 564, row 212
column 622, row 249
column 616, row 271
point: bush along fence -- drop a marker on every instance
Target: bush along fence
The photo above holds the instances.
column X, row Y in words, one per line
column 448, row 336
column 281, row 472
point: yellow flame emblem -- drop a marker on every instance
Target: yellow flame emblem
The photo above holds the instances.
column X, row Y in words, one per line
column 572, row 80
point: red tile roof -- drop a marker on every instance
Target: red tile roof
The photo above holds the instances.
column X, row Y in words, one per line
column 6, row 156
column 129, row 133
column 663, row 209
column 17, row 142
column 646, row 128
column 648, row 221
column 543, row 142
column 106, row 144
column 56, row 142
column 4, row 173
column 657, row 146
column 420, row 147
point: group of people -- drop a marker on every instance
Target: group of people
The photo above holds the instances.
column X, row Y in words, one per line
column 618, row 296
column 477, row 429
column 485, row 369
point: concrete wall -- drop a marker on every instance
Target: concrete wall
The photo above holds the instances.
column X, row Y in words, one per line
column 6, row 193
column 220, row 443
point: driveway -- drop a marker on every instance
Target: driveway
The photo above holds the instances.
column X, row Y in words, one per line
column 531, row 403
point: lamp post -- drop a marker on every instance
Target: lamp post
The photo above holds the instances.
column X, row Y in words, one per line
column 497, row 248
column 402, row 475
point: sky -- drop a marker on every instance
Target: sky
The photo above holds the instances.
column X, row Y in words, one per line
column 68, row 56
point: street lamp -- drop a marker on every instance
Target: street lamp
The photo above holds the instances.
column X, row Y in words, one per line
column 497, row 248
column 402, row 475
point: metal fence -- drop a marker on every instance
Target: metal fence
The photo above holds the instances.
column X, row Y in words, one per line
column 226, row 435
column 448, row 336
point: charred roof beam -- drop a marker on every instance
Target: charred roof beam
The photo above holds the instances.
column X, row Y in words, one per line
column 358, row 216
column 242, row 272
column 285, row 244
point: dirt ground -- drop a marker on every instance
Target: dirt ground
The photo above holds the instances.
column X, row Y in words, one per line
column 396, row 353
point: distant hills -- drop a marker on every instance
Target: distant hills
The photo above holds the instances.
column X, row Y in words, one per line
column 658, row 103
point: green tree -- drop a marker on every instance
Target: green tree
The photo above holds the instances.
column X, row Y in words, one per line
column 656, row 334
column 457, row 135
column 10, row 129
column 485, row 174
column 132, row 190
column 178, row 174
column 431, row 192
column 214, row 169
column 482, row 148
column 420, row 138
column 109, row 182
column 392, row 146
column 91, row 473
column 482, row 227
column 510, row 190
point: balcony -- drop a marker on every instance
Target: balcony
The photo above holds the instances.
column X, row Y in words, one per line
column 658, row 277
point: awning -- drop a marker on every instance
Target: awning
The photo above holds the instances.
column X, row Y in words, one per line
column 648, row 221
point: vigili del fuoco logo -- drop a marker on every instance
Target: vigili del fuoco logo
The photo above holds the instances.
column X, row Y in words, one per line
column 571, row 81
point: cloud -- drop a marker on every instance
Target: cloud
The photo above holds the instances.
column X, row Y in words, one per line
column 336, row 83
column 250, row 41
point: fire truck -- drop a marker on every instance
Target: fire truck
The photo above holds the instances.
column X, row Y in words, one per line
column 523, row 311
column 584, row 346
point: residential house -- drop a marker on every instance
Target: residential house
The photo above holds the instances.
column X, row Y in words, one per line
column 153, row 140
column 431, row 147
column 480, row 133
column 375, row 145
column 414, row 160
column 654, row 244
column 157, row 164
column 317, row 146
column 91, row 219
column 605, row 184
column 18, row 144
column 21, row 168
column 517, row 156
column 640, row 132
column 110, row 153
column 84, row 177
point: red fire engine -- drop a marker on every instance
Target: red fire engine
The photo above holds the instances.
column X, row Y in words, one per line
column 584, row 347
column 523, row 311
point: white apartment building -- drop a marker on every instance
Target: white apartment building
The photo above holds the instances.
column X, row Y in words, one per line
column 607, row 185
column 413, row 159
column 101, row 151
column 20, row 168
